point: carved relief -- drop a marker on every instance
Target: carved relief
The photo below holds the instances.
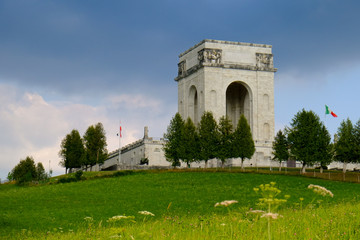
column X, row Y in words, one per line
column 208, row 55
column 264, row 61
column 181, row 68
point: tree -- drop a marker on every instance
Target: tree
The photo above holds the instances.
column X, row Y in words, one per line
column 173, row 147
column 325, row 153
column 25, row 171
column 345, row 146
column 357, row 139
column 243, row 143
column 307, row 138
column 225, row 139
column 208, row 137
column 72, row 151
column 189, row 142
column 10, row 176
column 280, row 148
column 40, row 172
column 95, row 145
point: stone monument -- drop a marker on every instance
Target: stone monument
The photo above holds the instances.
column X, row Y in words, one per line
column 230, row 78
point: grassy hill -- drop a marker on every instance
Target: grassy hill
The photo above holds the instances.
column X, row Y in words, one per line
column 48, row 208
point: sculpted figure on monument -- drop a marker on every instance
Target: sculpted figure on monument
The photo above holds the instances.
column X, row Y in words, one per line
column 264, row 61
column 209, row 56
column 181, row 68
column 202, row 56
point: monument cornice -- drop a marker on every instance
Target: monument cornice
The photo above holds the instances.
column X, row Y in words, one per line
column 225, row 42
column 222, row 65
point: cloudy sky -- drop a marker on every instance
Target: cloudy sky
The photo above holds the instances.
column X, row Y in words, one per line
column 70, row 64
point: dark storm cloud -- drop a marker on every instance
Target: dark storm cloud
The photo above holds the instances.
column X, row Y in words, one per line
column 74, row 46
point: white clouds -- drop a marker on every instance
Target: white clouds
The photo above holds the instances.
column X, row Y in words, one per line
column 32, row 126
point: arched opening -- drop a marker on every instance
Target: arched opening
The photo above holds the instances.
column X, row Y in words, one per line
column 237, row 102
column 193, row 104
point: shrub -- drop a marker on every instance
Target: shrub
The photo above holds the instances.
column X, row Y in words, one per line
column 78, row 175
column 67, row 180
column 123, row 173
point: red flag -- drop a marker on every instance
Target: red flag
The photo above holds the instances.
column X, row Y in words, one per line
column 120, row 131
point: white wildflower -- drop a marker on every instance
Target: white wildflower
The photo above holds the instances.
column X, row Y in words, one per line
column 271, row 215
column 226, row 203
column 88, row 219
column 146, row 213
column 320, row 190
column 119, row 217
column 115, row 236
column 256, row 211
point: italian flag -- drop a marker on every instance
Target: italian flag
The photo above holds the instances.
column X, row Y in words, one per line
column 119, row 134
column 328, row 111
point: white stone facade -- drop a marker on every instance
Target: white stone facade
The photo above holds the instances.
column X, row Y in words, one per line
column 230, row 78
column 132, row 155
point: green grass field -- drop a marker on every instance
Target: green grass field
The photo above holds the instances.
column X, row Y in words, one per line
column 59, row 209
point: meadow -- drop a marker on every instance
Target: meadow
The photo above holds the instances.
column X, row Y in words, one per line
column 183, row 205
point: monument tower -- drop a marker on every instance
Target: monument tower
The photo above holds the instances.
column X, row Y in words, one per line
column 230, row 78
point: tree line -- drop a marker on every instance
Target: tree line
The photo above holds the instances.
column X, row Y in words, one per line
column 308, row 141
column 86, row 151
column 188, row 143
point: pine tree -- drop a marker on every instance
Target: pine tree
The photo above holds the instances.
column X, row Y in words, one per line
column 173, row 147
column 40, row 172
column 346, row 147
column 208, row 137
column 280, row 148
column 357, row 140
column 243, row 143
column 325, row 153
column 189, row 142
column 225, row 139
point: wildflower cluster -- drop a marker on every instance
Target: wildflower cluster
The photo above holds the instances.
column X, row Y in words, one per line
column 146, row 213
column 256, row 211
column 225, row 203
column 88, row 219
column 271, row 215
column 269, row 199
column 269, row 193
column 321, row 190
column 118, row 218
